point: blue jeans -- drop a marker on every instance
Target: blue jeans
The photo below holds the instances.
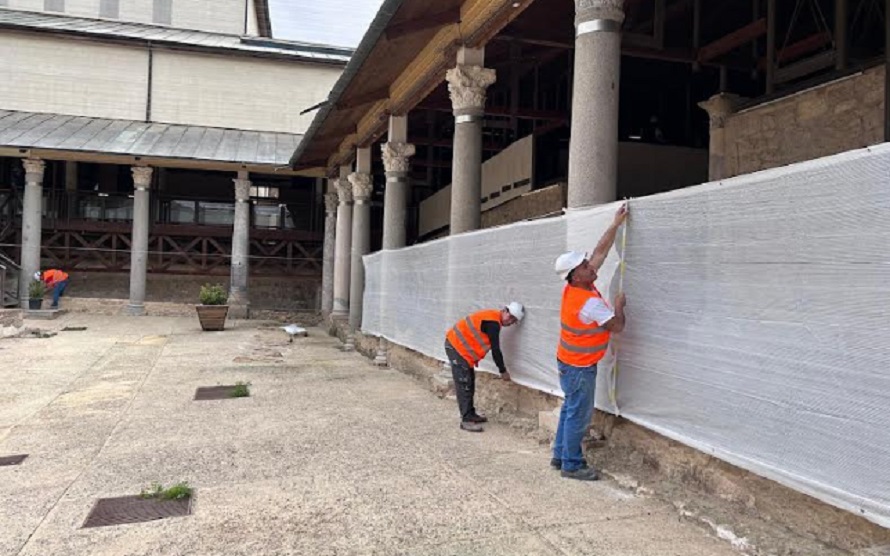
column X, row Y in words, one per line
column 58, row 290
column 579, row 386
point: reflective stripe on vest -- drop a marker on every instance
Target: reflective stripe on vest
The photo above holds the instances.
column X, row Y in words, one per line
column 467, row 337
column 580, row 344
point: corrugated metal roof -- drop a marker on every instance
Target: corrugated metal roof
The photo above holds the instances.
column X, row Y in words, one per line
column 103, row 28
column 34, row 130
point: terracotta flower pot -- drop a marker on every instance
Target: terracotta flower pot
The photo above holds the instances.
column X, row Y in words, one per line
column 212, row 317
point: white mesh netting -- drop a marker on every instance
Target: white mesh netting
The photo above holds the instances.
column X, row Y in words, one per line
column 758, row 326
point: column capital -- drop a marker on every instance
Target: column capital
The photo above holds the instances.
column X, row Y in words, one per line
column 330, row 203
column 591, row 10
column 34, row 168
column 141, row 177
column 467, row 87
column 396, row 156
column 720, row 107
column 344, row 190
column 362, row 186
column 242, row 189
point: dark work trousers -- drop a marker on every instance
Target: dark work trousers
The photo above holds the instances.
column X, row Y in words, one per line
column 464, row 382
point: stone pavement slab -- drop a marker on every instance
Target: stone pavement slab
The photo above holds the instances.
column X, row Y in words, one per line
column 329, row 456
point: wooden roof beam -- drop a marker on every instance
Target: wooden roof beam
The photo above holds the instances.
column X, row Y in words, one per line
column 365, row 98
column 423, row 23
column 730, row 42
column 798, row 49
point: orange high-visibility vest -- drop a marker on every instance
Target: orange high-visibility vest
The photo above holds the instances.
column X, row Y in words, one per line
column 467, row 337
column 54, row 276
column 580, row 345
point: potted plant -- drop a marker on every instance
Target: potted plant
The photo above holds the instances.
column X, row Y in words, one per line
column 36, row 291
column 213, row 309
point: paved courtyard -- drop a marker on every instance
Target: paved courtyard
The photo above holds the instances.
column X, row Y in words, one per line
column 329, row 455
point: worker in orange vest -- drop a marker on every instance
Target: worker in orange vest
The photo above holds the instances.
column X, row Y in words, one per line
column 466, row 344
column 56, row 280
column 587, row 323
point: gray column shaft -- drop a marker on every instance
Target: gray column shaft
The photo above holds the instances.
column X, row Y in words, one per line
column 239, row 299
column 139, row 251
column 32, row 213
column 593, row 150
column 342, row 259
column 240, row 247
column 361, row 246
column 327, row 279
column 466, row 181
column 395, row 204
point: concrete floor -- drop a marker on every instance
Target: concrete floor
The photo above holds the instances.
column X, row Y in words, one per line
column 330, row 455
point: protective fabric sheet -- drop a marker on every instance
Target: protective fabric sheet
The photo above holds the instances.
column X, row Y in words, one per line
column 758, row 317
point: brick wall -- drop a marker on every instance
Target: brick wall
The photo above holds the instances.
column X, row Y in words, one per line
column 829, row 119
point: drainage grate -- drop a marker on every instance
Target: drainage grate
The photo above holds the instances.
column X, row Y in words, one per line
column 12, row 460
column 215, row 393
column 133, row 509
column 74, row 329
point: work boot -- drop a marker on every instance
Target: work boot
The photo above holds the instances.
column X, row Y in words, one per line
column 557, row 464
column 583, row 474
column 471, row 426
column 476, row 418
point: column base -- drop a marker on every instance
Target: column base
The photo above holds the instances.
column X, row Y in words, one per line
column 239, row 311
column 381, row 359
column 349, row 345
column 135, row 310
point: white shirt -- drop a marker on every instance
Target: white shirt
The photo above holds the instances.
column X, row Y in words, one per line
column 596, row 310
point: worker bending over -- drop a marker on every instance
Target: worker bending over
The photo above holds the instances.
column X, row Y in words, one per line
column 466, row 344
column 55, row 280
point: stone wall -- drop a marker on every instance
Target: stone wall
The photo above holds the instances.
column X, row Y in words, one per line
column 832, row 118
column 266, row 292
column 549, row 200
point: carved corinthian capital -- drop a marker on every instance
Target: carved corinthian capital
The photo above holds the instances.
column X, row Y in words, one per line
column 396, row 156
column 361, row 185
column 141, row 176
column 330, row 202
column 344, row 190
column 587, row 10
column 466, row 86
column 34, row 168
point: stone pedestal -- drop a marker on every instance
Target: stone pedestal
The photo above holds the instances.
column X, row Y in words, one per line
column 343, row 249
column 467, row 86
column 139, row 242
column 32, row 214
column 362, row 186
column 239, row 298
column 330, row 238
column 719, row 107
column 593, row 149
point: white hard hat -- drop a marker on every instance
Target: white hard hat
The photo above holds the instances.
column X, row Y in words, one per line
column 568, row 262
column 37, row 275
column 516, row 309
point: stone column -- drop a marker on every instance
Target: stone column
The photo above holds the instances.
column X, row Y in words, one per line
column 467, row 84
column 362, row 186
column 396, row 161
column 139, row 242
column 32, row 216
column 330, row 236
column 342, row 251
column 593, row 149
column 239, row 298
column 719, row 107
